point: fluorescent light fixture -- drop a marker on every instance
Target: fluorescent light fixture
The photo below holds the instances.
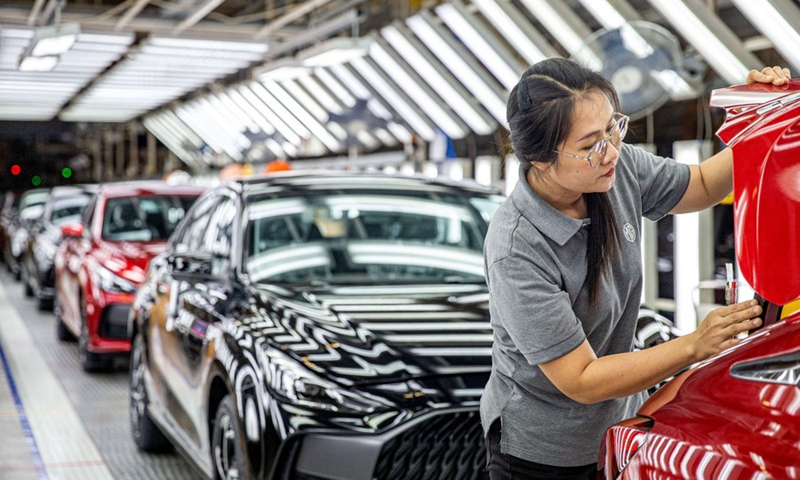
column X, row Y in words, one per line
column 38, row 64
column 321, row 115
column 411, row 115
column 274, row 119
column 563, row 23
column 54, row 39
column 779, row 21
column 187, row 115
column 720, row 47
column 282, row 69
column 494, row 56
column 302, row 114
column 374, row 106
column 231, row 137
column 459, row 62
column 202, row 44
column 439, row 79
column 287, row 117
column 335, row 87
column 250, row 111
column 334, row 51
column 520, row 34
column 605, row 13
column 413, row 87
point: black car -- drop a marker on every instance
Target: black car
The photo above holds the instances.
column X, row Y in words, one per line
column 64, row 205
column 30, row 209
column 318, row 326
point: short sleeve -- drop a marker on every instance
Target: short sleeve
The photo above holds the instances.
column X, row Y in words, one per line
column 662, row 181
column 531, row 310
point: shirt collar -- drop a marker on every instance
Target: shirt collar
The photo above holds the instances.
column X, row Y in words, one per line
column 549, row 221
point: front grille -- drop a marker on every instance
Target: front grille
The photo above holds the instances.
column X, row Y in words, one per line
column 446, row 447
column 49, row 280
column 114, row 321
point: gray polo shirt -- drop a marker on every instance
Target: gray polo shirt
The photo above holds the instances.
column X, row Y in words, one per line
column 536, row 269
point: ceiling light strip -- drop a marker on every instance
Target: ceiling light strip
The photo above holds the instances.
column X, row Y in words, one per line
column 228, row 135
column 289, row 119
column 705, row 31
column 290, row 135
column 374, row 105
column 562, row 23
column 250, row 111
column 413, row 117
column 511, row 24
column 484, row 46
column 416, row 89
column 460, row 63
column 779, row 21
column 314, row 126
column 439, row 79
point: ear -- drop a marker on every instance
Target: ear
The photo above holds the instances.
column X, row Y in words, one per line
column 541, row 166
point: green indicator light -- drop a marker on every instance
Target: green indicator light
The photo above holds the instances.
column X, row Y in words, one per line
column 36, row 180
column 67, row 172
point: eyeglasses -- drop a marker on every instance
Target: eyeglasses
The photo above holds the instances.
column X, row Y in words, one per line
column 598, row 151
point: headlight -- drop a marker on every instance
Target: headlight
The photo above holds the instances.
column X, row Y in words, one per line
column 110, row 282
column 303, row 387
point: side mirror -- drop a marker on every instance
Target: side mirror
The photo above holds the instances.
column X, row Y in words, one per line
column 190, row 264
column 72, row 230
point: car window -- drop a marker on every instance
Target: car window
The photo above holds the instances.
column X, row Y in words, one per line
column 143, row 218
column 68, row 210
column 373, row 237
column 88, row 213
column 219, row 237
column 191, row 238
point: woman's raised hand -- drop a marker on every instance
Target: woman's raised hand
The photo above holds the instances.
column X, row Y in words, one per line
column 720, row 328
column 774, row 75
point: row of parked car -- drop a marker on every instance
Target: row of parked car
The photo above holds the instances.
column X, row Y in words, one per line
column 334, row 325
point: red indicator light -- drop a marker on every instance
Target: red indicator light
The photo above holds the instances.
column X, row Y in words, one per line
column 15, row 169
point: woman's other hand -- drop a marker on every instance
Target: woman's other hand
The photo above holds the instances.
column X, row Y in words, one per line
column 720, row 328
column 774, row 75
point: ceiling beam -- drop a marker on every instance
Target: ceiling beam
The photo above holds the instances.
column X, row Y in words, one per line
column 200, row 14
column 37, row 7
column 91, row 20
column 294, row 14
column 131, row 14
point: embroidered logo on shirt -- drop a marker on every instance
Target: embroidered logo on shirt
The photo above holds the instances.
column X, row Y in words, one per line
column 629, row 232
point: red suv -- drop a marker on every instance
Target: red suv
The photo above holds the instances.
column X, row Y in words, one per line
column 737, row 415
column 102, row 260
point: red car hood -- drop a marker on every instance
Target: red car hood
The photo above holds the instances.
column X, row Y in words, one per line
column 763, row 128
column 128, row 259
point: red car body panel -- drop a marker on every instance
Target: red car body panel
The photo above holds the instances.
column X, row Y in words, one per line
column 765, row 138
column 78, row 260
column 712, row 421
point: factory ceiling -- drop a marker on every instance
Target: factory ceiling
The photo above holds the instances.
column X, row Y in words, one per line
column 217, row 80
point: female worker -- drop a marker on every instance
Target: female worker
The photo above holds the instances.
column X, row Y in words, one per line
column 563, row 264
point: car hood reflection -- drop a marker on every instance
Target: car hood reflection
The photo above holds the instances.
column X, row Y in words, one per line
column 395, row 340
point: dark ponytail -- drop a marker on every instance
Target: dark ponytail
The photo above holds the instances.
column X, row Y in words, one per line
column 540, row 111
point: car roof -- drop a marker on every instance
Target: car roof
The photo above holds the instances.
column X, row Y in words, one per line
column 147, row 187
column 762, row 127
column 343, row 179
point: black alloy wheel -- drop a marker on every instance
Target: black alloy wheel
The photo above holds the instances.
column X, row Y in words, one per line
column 146, row 434
column 25, row 277
column 228, row 444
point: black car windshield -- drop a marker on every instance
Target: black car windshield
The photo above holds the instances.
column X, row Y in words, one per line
column 368, row 238
column 67, row 210
column 145, row 218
